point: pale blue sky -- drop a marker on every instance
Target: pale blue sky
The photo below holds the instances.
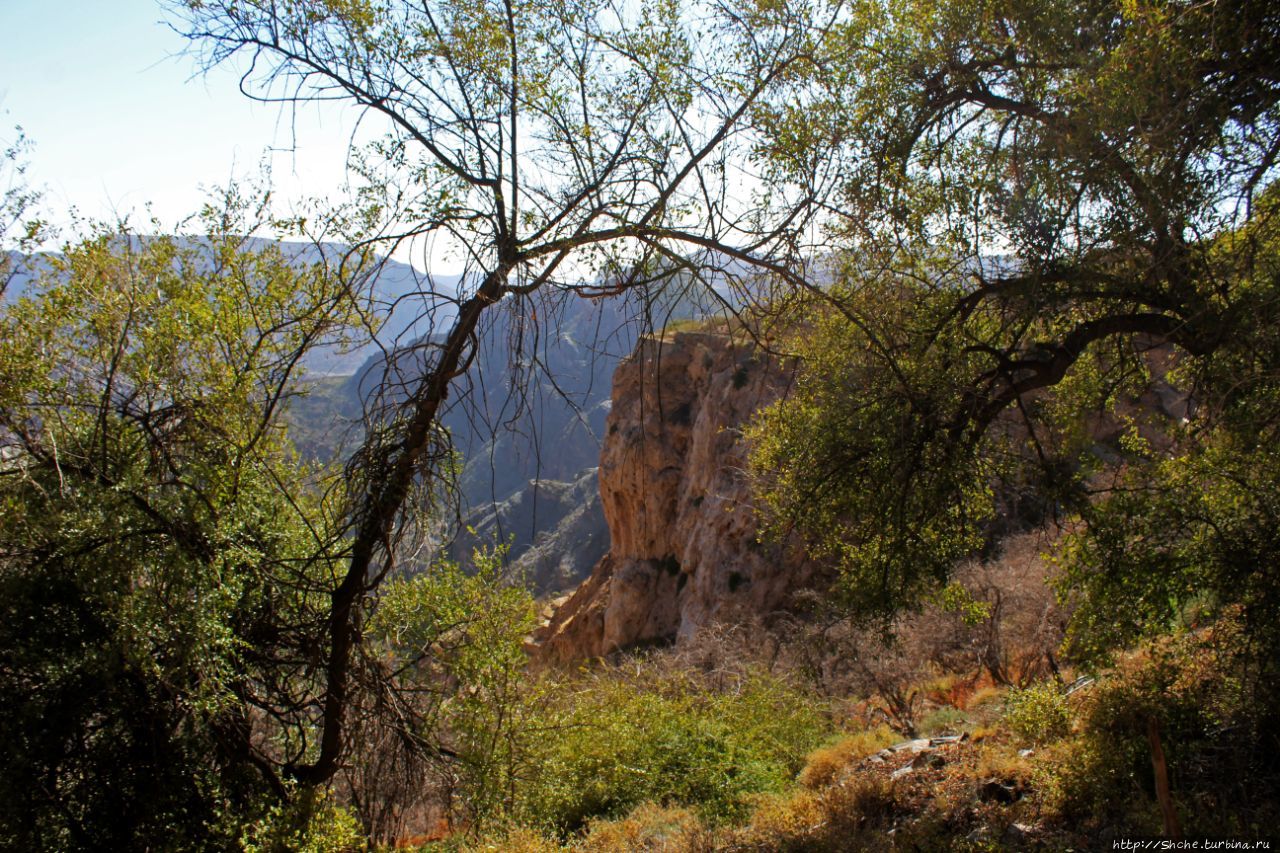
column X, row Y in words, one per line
column 118, row 118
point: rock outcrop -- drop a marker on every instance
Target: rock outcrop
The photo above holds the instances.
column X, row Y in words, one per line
column 685, row 549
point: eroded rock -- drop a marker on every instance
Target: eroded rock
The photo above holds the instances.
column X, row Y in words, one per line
column 685, row 549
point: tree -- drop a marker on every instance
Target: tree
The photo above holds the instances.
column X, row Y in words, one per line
column 20, row 228
column 164, row 557
column 1036, row 196
column 550, row 140
column 455, row 642
column 1186, row 533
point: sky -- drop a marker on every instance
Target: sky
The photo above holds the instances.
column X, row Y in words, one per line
column 119, row 118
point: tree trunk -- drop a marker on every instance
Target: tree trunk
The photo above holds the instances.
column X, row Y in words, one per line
column 1161, row 768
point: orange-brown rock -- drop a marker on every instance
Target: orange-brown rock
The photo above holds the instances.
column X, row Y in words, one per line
column 685, row 549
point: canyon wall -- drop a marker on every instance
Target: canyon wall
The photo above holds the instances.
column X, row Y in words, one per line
column 685, row 550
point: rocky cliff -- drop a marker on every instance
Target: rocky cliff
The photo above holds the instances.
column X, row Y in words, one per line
column 684, row 545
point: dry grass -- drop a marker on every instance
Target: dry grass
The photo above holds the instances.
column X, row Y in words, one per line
column 999, row 759
column 824, row 765
column 649, row 827
column 981, row 733
column 844, row 816
column 782, row 820
column 989, row 696
column 518, row 840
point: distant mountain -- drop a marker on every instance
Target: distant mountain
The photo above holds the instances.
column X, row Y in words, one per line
column 527, row 419
column 19, row 271
column 555, row 530
column 405, row 302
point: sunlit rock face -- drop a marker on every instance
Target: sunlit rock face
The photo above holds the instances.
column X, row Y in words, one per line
column 685, row 550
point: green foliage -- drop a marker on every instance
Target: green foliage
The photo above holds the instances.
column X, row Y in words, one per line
column 957, row 598
column 457, row 638
column 856, row 456
column 1038, row 713
column 305, row 825
column 1047, row 129
column 944, row 720
column 633, row 735
column 161, row 552
column 1187, row 533
column 1036, row 196
column 1200, row 691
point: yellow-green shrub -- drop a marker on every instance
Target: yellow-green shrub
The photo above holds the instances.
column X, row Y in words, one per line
column 619, row 738
column 308, row 824
column 1038, row 713
column 823, row 765
column 647, row 827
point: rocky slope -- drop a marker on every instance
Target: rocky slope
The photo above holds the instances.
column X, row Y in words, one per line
column 555, row 531
column 685, row 550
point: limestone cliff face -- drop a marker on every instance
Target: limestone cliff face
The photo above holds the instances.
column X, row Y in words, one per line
column 684, row 547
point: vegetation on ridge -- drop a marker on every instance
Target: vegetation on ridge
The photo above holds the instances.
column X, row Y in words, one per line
column 1046, row 300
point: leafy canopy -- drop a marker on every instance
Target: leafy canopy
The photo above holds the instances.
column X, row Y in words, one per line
column 164, row 557
column 1035, row 196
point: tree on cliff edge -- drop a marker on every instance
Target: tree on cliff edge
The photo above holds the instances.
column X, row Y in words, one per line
column 546, row 140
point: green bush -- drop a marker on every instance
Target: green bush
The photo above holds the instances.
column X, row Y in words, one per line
column 1038, row 713
column 620, row 738
column 308, row 824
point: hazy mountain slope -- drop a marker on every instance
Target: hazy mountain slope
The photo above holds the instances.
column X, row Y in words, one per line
column 556, row 531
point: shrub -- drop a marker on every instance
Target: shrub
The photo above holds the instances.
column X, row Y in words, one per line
column 512, row 840
column 783, row 821
column 850, row 816
column 998, row 617
column 1038, row 713
column 307, row 824
column 1217, row 735
column 624, row 736
column 647, row 827
column 823, row 765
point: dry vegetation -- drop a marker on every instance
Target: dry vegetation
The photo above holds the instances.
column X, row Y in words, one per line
column 1011, row 750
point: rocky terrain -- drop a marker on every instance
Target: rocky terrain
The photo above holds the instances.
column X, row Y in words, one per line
column 685, row 549
column 555, row 531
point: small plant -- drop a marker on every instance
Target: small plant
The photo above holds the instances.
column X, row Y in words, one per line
column 1038, row 713
column 945, row 720
column 308, row 824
